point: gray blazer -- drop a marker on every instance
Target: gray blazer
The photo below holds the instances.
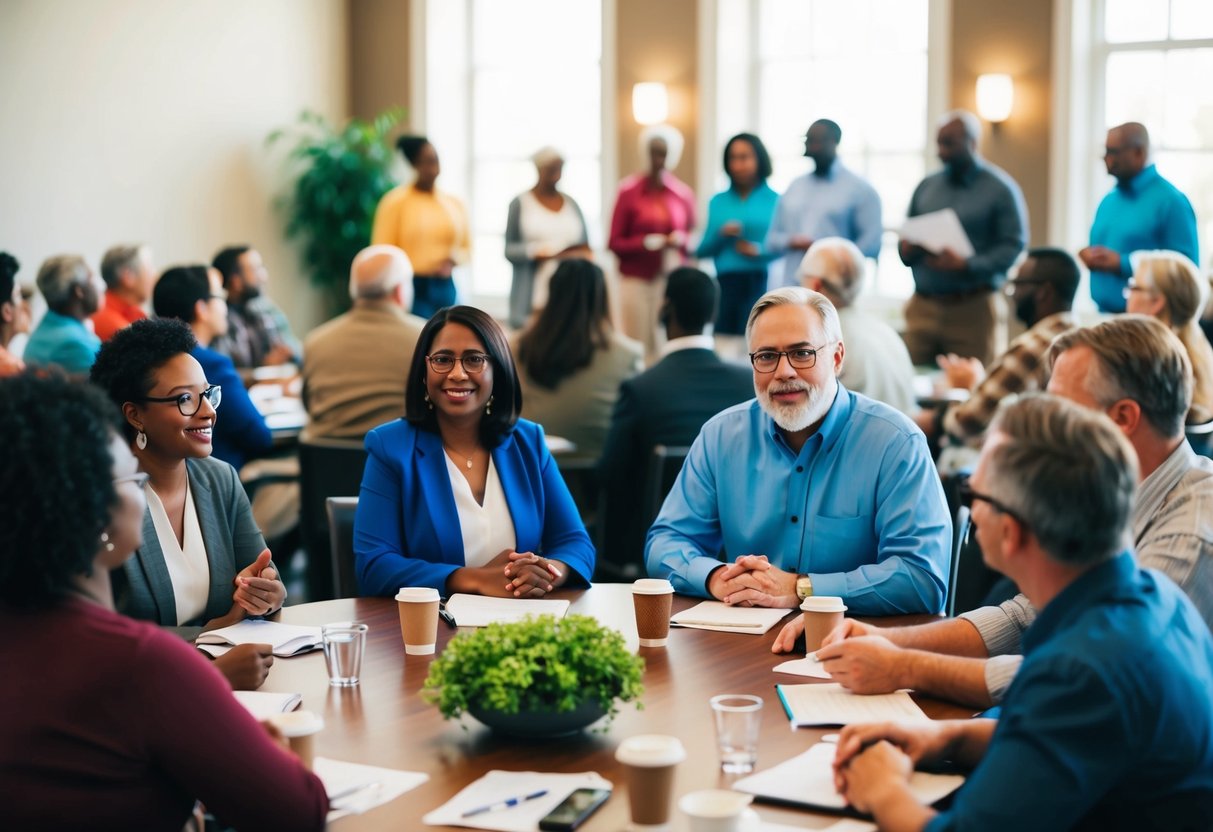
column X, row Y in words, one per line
column 142, row 588
column 522, row 289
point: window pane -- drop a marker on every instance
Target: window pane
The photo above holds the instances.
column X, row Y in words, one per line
column 518, row 110
column 1191, row 19
column 784, row 27
column 491, row 272
column 1192, row 173
column 552, row 33
column 1132, row 89
column 1126, row 21
column 899, row 25
column 1189, row 100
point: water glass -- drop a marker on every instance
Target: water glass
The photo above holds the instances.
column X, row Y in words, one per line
column 738, row 718
column 344, row 644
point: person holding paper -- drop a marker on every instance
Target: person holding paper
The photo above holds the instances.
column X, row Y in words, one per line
column 1109, row 724
column 109, row 723
column 203, row 563
column 810, row 489
column 955, row 307
column 461, row 494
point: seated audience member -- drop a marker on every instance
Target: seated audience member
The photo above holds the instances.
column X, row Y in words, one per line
column 108, row 723
column 194, row 295
column 61, row 339
column 1042, row 294
column 14, row 315
column 647, row 414
column 572, row 360
column 129, row 277
column 878, row 363
column 258, row 332
column 833, row 493
column 1169, row 286
column 1136, row 372
column 355, row 367
column 461, row 494
column 202, row 564
column 543, row 227
column 1109, row 724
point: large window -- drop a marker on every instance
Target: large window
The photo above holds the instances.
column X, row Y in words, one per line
column 502, row 80
column 866, row 64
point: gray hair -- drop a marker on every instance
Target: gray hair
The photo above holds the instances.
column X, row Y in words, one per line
column 116, row 260
column 1068, row 474
column 58, row 276
column 839, row 263
column 546, row 155
column 970, row 122
column 1177, row 279
column 666, row 133
column 377, row 270
column 797, row 296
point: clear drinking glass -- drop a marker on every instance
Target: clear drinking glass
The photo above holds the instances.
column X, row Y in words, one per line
column 344, row 645
column 738, row 718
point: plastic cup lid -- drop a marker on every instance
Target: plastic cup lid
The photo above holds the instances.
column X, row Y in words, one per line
column 650, row 751
column 417, row 594
column 298, row 723
column 823, row 603
column 652, row 586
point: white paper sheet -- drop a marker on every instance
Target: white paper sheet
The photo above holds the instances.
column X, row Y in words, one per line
column 264, row 704
column 804, row 667
column 832, row 704
column 354, row 788
column 501, row 785
column 286, row 639
column 719, row 616
column 936, row 231
column 481, row 610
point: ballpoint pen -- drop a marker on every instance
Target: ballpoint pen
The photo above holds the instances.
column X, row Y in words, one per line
column 446, row 616
column 504, row 804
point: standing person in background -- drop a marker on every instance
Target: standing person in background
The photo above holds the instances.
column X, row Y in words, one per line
column 654, row 213
column 72, row 294
column 1143, row 211
column 738, row 220
column 258, row 331
column 14, row 314
column 430, row 225
column 129, row 277
column 544, row 226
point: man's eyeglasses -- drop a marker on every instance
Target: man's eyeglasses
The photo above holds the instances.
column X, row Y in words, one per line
column 139, row 479
column 767, row 361
column 473, row 362
column 190, row 403
column 968, row 496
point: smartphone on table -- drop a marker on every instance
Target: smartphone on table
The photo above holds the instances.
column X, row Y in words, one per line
column 574, row 809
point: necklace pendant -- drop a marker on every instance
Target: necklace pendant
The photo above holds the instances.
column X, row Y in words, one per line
column 469, row 464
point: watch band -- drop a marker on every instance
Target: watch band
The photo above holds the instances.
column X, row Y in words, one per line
column 804, row 587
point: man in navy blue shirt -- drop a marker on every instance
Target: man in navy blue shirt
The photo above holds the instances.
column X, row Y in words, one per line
column 1109, row 723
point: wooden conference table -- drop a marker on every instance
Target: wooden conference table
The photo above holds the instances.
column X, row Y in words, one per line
column 384, row 722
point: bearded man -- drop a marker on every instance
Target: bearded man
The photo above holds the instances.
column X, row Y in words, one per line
column 809, row 489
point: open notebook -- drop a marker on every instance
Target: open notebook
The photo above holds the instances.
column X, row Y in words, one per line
column 719, row 616
column 286, row 639
column 482, row 610
column 832, row 704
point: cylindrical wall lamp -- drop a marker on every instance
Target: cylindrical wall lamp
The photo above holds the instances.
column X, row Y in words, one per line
column 650, row 103
column 995, row 95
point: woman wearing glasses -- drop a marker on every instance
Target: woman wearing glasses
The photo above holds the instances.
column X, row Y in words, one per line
column 203, row 563
column 462, row 495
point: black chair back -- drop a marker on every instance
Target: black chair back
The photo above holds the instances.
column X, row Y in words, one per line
column 340, row 512
column 327, row 468
column 1200, row 437
column 664, row 465
column 960, row 532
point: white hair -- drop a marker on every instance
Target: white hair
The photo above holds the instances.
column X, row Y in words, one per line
column 797, row 296
column 546, row 155
column 970, row 122
column 666, row 133
column 380, row 279
column 838, row 262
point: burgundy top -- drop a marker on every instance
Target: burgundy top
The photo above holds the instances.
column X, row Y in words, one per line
column 640, row 210
column 110, row 723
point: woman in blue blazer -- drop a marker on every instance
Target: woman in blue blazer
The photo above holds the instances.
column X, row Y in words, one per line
column 462, row 495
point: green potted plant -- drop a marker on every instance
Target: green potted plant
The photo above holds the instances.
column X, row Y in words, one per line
column 536, row 677
column 340, row 174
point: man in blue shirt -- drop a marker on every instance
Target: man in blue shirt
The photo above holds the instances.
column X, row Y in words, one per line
column 812, row 489
column 1143, row 212
column 61, row 339
column 1109, row 723
column 831, row 201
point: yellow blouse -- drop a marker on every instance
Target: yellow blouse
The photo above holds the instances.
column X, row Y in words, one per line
column 429, row 227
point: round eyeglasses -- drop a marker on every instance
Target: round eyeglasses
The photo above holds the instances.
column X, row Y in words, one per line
column 473, row 362
column 190, row 403
column 767, row 361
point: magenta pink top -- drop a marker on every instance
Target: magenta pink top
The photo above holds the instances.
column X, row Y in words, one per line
column 640, row 210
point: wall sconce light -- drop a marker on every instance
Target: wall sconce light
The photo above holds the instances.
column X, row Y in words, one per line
column 995, row 95
column 650, row 103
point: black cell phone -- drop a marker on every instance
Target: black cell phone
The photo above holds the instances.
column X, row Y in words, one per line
column 574, row 809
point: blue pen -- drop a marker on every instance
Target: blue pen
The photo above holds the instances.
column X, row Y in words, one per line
column 504, row 804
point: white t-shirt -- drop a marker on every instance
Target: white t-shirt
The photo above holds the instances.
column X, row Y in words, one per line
column 547, row 232
column 188, row 567
column 487, row 529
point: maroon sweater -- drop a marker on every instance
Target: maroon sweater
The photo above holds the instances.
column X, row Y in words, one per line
column 110, row 723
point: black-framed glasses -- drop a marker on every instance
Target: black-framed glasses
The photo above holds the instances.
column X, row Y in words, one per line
column 473, row 362
column 191, row 403
column 968, row 496
column 767, row 361
column 139, row 479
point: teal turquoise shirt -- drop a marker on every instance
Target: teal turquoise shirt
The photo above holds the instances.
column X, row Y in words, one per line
column 64, row 342
column 754, row 212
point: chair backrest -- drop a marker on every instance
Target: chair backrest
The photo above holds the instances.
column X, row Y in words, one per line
column 960, row 532
column 340, row 513
column 664, row 465
column 1200, row 437
column 327, row 468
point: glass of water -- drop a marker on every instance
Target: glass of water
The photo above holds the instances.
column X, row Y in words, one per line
column 344, row 644
column 738, row 718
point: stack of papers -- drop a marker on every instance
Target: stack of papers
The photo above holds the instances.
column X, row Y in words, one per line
column 481, row 610
column 263, row 704
column 808, row 666
column 286, row 639
column 832, row 704
column 717, row 615
column 808, row 780
column 354, row 789
column 937, row 231
column 501, row 785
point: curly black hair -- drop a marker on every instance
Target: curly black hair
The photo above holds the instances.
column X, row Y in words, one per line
column 8, row 274
column 56, row 460
column 126, row 364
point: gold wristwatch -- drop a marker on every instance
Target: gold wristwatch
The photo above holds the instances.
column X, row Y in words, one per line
column 804, row 586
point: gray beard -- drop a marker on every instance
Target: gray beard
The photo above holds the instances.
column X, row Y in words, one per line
column 798, row 417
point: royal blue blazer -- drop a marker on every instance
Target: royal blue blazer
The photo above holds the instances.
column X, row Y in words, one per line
column 406, row 531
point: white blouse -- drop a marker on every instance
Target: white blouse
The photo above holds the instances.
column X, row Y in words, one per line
column 547, row 231
column 188, row 567
column 487, row 529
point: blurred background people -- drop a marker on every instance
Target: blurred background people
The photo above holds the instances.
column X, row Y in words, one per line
column 14, row 315
column 129, row 277
column 258, row 332
column 72, row 293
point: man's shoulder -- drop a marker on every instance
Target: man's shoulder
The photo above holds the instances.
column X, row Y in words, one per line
column 875, row 417
column 998, row 177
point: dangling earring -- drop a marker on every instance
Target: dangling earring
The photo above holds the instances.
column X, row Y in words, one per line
column 141, row 440
column 488, row 407
column 105, row 538
column 428, row 403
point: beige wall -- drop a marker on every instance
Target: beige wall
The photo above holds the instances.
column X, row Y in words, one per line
column 996, row 36
column 146, row 119
column 379, row 55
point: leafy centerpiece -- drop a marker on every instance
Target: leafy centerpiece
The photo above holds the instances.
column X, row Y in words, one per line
column 537, row 677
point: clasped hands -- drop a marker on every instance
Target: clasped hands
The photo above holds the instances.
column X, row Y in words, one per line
column 752, row 581
column 511, row 574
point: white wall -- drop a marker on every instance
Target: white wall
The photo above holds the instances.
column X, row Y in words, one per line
column 145, row 120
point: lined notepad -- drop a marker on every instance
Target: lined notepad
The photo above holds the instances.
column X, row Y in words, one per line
column 832, row 704
column 719, row 616
column 286, row 639
column 481, row 610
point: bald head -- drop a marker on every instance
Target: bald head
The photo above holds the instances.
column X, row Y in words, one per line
column 381, row 272
column 1127, row 150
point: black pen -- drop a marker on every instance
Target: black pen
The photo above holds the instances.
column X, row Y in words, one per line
column 446, row 616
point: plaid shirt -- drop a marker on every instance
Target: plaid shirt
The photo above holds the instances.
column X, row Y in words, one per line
column 255, row 328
